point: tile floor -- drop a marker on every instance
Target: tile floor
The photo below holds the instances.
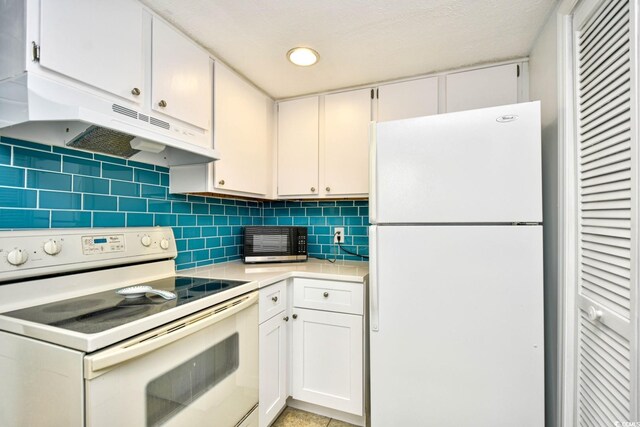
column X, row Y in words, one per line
column 291, row 417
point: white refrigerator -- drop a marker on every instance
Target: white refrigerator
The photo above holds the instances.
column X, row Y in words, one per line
column 456, row 281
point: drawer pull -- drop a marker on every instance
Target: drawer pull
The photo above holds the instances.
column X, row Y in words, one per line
column 295, row 316
column 274, row 299
column 326, row 294
column 285, row 318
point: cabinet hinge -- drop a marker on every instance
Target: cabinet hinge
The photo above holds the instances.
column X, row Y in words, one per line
column 517, row 71
column 35, row 52
column 371, row 93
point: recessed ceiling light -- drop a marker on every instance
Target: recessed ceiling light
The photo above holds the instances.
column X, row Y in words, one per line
column 303, row 56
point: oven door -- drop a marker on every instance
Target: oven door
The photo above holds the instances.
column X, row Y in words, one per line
column 201, row 370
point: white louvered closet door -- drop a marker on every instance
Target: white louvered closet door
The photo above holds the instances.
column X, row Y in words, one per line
column 606, row 314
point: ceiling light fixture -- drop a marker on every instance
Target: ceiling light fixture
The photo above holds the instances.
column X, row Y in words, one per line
column 303, row 56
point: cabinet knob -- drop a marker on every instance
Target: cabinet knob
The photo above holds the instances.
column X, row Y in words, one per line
column 221, row 182
column 295, row 316
column 285, row 318
column 594, row 314
column 313, row 189
column 162, row 103
column 274, row 299
column 328, row 189
column 135, row 91
column 326, row 294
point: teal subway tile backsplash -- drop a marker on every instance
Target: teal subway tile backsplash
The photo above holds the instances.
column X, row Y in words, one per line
column 321, row 218
column 12, row 177
column 55, row 187
column 48, row 180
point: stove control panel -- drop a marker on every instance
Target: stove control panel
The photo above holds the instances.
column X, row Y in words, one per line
column 92, row 245
column 31, row 253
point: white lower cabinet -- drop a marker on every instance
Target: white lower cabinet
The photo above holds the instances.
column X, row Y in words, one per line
column 313, row 349
column 326, row 369
column 273, row 368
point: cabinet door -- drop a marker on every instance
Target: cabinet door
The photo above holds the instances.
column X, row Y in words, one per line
column 346, row 148
column 405, row 100
column 298, row 147
column 273, row 368
column 181, row 77
column 486, row 87
column 327, row 359
column 95, row 42
column 241, row 133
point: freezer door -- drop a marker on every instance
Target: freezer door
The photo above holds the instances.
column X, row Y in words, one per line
column 456, row 333
column 480, row 166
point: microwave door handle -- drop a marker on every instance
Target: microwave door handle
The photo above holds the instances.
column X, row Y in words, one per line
column 97, row 364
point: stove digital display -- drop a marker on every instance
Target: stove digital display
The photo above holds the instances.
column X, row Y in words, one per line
column 92, row 245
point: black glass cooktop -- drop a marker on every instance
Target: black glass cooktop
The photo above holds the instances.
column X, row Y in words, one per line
column 101, row 311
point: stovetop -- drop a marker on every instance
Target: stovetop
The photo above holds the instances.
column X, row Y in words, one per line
column 99, row 312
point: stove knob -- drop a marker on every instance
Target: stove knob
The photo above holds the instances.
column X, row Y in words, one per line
column 146, row 240
column 164, row 244
column 17, row 257
column 52, row 247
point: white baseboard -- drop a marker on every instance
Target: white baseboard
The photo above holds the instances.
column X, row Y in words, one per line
column 327, row 412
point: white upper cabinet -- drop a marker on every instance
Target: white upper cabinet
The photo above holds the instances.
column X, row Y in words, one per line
column 242, row 134
column 408, row 99
column 485, row 87
column 298, row 147
column 346, row 143
column 181, row 77
column 96, row 42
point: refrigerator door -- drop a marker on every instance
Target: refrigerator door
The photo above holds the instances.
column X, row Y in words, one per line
column 480, row 166
column 456, row 326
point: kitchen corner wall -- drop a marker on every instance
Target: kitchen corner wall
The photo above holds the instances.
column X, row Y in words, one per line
column 321, row 218
column 44, row 186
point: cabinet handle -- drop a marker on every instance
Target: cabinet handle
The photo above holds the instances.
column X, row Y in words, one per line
column 326, row 294
column 221, row 182
column 328, row 189
column 274, row 299
column 295, row 316
column 162, row 103
column 285, row 318
column 135, row 91
column 313, row 189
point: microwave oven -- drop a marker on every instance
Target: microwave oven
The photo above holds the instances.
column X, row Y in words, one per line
column 275, row 244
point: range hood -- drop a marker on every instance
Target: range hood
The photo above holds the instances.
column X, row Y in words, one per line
column 40, row 109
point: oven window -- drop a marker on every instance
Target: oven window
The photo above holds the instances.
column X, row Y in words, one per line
column 174, row 390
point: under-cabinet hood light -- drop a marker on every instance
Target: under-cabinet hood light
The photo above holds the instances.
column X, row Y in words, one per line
column 146, row 145
column 303, row 56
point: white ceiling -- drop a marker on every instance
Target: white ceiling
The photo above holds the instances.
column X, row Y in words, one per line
column 359, row 41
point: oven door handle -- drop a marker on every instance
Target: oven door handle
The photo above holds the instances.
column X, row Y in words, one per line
column 103, row 361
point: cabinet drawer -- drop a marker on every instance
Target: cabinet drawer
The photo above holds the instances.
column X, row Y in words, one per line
column 273, row 300
column 341, row 297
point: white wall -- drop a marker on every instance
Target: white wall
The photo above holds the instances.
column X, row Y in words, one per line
column 543, row 86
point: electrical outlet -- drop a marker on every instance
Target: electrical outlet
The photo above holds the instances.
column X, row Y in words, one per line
column 338, row 232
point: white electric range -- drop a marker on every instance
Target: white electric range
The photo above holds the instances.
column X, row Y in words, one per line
column 74, row 352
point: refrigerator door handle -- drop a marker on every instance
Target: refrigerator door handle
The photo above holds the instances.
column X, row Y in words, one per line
column 374, row 302
column 372, row 173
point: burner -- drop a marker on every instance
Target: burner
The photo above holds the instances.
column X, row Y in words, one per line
column 71, row 306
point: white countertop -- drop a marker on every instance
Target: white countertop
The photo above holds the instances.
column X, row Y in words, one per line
column 267, row 274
